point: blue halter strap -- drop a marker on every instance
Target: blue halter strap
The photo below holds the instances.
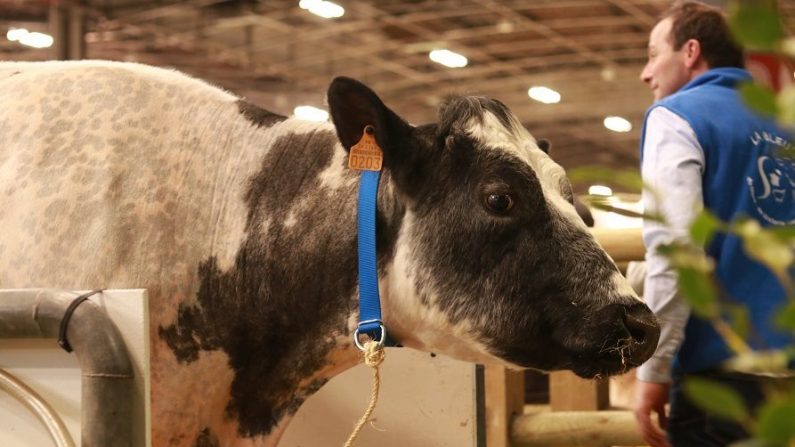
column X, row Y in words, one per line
column 369, row 300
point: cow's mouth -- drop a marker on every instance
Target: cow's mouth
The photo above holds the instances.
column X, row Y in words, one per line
column 598, row 372
column 624, row 355
column 617, row 361
column 596, row 350
column 589, row 362
column 630, row 344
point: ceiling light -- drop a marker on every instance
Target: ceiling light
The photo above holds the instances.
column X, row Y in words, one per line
column 617, row 124
column 25, row 37
column 14, row 34
column 600, row 190
column 310, row 113
column 505, row 26
column 448, row 58
column 322, row 8
column 608, row 74
column 544, row 94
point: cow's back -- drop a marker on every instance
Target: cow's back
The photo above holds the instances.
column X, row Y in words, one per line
column 113, row 175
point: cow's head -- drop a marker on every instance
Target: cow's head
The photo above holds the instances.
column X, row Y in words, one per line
column 491, row 261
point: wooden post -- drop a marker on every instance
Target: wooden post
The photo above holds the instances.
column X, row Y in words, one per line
column 568, row 392
column 504, row 400
column 67, row 27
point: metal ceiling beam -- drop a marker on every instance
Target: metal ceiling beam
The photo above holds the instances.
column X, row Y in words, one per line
column 636, row 12
column 551, row 62
column 547, row 31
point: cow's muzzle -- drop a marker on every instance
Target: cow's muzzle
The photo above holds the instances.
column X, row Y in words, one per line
column 644, row 333
column 631, row 341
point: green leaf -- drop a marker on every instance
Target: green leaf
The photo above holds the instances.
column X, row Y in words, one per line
column 789, row 351
column 760, row 99
column 753, row 442
column 784, row 233
column 699, row 291
column 685, row 255
column 765, row 247
column 770, row 251
column 740, row 319
column 788, row 46
column 786, row 108
column 716, row 399
column 787, row 153
column 776, row 419
column 606, row 206
column 774, row 361
column 786, row 317
column 703, row 228
column 629, row 179
column 755, row 25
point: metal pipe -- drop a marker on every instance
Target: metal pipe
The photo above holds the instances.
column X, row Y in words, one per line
column 38, row 406
column 107, row 373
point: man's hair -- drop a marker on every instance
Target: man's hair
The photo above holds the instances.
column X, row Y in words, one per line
column 707, row 25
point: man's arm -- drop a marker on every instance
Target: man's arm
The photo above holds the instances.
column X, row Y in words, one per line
column 673, row 164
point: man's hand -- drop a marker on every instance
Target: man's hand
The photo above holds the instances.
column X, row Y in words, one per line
column 651, row 398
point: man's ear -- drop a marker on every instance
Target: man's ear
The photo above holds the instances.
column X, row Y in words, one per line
column 692, row 53
column 353, row 106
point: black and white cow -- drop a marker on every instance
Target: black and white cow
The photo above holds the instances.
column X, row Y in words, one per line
column 241, row 224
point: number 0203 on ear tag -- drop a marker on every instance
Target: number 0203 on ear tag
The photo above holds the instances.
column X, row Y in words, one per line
column 366, row 155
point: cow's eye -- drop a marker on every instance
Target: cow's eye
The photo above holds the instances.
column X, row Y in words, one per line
column 499, row 203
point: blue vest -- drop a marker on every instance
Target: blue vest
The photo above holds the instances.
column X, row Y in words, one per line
column 743, row 176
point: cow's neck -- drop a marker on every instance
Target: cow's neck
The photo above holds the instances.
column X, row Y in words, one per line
column 284, row 309
column 339, row 359
column 285, row 403
column 285, row 332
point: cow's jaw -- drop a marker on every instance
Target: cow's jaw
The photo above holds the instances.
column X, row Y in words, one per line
column 410, row 312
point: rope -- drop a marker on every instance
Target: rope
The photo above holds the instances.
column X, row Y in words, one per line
column 373, row 356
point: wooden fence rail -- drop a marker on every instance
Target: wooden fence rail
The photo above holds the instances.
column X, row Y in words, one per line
column 575, row 428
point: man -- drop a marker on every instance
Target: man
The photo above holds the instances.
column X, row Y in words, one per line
column 702, row 148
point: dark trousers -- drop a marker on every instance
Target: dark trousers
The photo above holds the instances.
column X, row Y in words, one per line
column 689, row 426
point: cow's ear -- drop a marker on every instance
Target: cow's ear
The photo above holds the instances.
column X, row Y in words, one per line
column 353, row 106
column 544, row 144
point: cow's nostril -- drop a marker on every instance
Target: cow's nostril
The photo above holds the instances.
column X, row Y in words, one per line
column 636, row 330
column 645, row 332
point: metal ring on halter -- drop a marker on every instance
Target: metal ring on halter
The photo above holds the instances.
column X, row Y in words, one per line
column 380, row 341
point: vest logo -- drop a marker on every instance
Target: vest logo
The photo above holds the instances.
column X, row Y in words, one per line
column 772, row 185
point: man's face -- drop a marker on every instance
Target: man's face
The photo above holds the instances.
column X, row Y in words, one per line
column 666, row 71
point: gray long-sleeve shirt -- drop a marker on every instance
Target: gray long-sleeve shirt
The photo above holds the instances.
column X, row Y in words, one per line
column 673, row 164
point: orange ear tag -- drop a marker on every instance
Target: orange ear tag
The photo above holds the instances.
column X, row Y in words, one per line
column 366, row 155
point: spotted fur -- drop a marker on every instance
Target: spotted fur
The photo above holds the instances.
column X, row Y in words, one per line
column 240, row 223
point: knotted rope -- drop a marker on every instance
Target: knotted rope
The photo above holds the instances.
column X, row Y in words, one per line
column 373, row 356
